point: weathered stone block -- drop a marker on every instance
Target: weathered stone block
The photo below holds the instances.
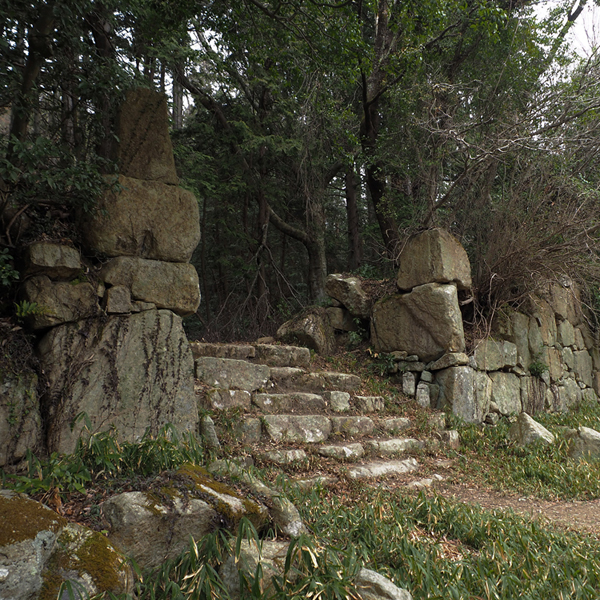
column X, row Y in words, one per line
column 352, row 426
column 117, row 300
column 235, row 351
column 348, row 291
column 533, row 394
column 342, row 451
column 144, row 149
column 409, row 384
column 56, row 261
column 586, row 444
column 219, row 399
column 427, row 322
column 565, row 333
column 457, row 391
column 527, row 431
column 59, row 302
column 506, row 392
column 433, row 256
column 298, row 402
column 582, row 367
column 564, row 298
column 20, row 420
column 552, row 357
column 140, row 220
column 492, row 355
column 369, row 403
column 134, row 373
column 168, row 285
column 281, row 356
column 337, row 401
column 297, row 428
column 311, row 328
column 228, row 373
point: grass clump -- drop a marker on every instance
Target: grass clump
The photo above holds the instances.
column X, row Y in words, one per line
column 439, row 549
column 101, row 458
column 545, row 471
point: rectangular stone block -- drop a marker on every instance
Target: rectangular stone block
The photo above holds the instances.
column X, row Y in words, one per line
column 227, row 373
column 427, row 322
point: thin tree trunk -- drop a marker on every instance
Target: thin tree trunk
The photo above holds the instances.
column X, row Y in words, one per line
column 39, row 50
column 354, row 245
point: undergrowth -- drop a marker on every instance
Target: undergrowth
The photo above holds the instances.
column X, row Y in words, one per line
column 541, row 470
column 102, row 459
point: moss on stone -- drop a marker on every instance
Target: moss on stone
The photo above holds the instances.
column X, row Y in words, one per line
column 22, row 519
column 81, row 552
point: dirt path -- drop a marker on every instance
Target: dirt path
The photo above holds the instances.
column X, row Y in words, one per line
column 578, row 516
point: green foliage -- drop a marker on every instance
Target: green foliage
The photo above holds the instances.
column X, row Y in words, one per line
column 101, row 456
column 537, row 368
column 44, row 170
column 440, row 549
column 541, row 470
column 8, row 274
column 24, row 309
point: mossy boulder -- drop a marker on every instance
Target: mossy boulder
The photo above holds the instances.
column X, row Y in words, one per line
column 156, row 525
column 39, row 551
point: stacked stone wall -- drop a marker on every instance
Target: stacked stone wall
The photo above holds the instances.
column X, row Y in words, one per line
column 540, row 358
column 112, row 346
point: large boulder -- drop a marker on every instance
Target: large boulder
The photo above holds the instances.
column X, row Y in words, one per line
column 39, row 551
column 58, row 302
column 132, row 373
column 140, row 220
column 310, row 328
column 526, row 430
column 506, row 392
column 20, row 421
column 426, row 322
column 465, row 391
column 167, row 285
column 585, row 444
column 87, row 560
column 433, row 256
column 156, row 524
column 28, row 532
column 152, row 529
column 56, row 261
column 348, row 291
column 371, row 585
column 144, row 149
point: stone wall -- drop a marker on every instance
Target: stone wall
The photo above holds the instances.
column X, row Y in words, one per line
column 542, row 357
column 111, row 341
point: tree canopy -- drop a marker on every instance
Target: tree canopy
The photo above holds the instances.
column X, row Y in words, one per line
column 317, row 135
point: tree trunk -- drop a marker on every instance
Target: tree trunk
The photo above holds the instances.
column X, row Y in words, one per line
column 354, row 246
column 39, row 40
column 373, row 89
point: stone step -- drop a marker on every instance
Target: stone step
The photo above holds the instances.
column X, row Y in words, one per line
column 265, row 354
column 297, row 428
column 369, row 404
column 394, row 445
column 281, row 356
column 234, row 351
column 298, row 380
column 298, row 403
column 227, row 373
column 352, row 451
column 379, row 468
column 352, row 426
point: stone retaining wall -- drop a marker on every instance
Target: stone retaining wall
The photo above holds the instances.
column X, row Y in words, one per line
column 543, row 357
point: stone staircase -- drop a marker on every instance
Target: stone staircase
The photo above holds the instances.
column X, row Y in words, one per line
column 267, row 405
